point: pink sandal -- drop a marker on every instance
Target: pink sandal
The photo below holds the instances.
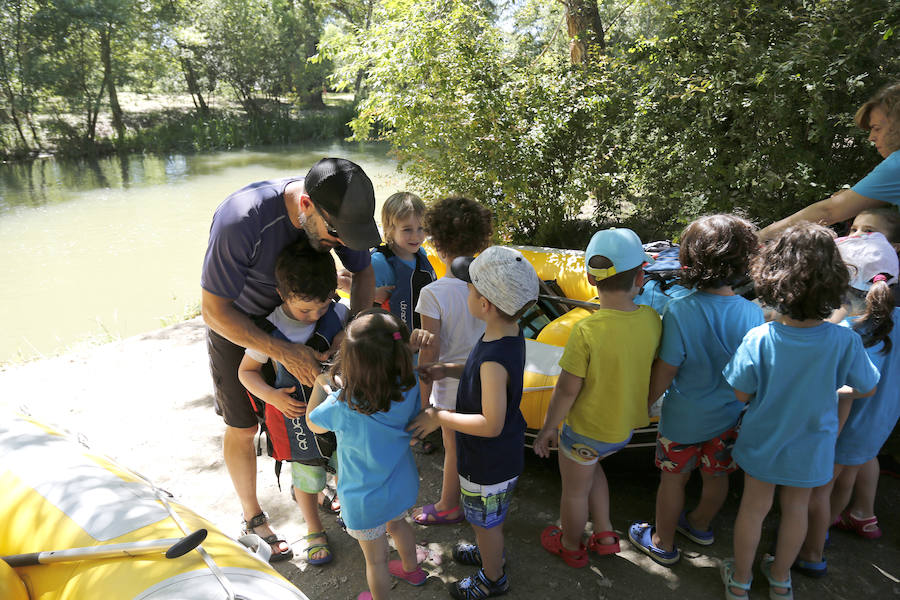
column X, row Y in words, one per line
column 430, row 516
column 867, row 528
column 601, row 549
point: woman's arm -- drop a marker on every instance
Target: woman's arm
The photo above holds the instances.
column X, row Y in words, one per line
column 841, row 206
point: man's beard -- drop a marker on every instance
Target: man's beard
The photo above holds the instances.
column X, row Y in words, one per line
column 312, row 235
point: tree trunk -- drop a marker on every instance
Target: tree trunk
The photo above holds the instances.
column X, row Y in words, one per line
column 190, row 78
column 105, row 55
column 585, row 31
column 357, row 85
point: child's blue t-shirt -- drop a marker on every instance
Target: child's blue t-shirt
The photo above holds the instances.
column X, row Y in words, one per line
column 788, row 433
column 701, row 332
column 872, row 419
column 485, row 460
column 378, row 479
column 883, row 182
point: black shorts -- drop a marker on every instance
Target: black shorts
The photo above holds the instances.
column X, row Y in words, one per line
column 232, row 399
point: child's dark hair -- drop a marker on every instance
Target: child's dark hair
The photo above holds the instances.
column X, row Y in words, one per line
column 716, row 251
column 877, row 321
column 801, row 274
column 375, row 362
column 620, row 282
column 302, row 272
column 459, row 226
column 891, row 218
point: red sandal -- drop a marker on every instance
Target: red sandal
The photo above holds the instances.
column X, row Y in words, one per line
column 551, row 540
column 602, row 549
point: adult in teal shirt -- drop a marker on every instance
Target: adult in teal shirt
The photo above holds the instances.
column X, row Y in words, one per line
column 881, row 187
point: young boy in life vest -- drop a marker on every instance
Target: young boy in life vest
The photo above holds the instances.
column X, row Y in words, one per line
column 401, row 264
column 306, row 282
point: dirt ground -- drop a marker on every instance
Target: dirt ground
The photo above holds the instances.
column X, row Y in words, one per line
column 146, row 401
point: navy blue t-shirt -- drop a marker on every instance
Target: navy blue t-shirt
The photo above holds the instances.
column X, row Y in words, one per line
column 485, row 460
column 249, row 230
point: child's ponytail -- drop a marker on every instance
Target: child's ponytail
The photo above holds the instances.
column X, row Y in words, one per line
column 876, row 323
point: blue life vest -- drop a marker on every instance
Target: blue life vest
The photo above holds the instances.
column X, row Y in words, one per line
column 409, row 282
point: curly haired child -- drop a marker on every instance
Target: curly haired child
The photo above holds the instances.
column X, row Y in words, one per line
column 700, row 413
column 867, row 423
column 787, row 371
column 458, row 226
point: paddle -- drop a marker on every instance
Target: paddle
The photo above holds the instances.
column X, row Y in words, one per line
column 173, row 547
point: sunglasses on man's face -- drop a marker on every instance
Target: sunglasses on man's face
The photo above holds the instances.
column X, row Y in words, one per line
column 329, row 228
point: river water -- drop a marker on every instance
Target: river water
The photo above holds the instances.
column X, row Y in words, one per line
column 95, row 251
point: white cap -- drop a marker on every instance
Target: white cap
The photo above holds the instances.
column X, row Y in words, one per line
column 502, row 275
column 869, row 255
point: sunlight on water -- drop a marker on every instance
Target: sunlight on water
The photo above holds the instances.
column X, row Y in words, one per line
column 107, row 250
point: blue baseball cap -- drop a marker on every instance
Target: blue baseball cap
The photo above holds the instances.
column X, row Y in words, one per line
column 621, row 246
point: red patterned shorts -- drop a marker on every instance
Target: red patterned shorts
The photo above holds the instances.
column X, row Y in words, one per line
column 712, row 456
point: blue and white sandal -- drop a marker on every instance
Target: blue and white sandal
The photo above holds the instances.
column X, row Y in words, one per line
column 726, row 570
column 765, row 565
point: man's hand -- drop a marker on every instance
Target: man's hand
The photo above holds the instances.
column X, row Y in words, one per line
column 282, row 400
column 546, row 439
column 424, row 423
column 300, row 361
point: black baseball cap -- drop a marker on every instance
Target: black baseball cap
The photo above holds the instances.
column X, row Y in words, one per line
column 343, row 190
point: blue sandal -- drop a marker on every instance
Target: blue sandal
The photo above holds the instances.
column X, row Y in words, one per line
column 641, row 535
column 765, row 565
column 811, row 568
column 727, row 572
column 478, row 586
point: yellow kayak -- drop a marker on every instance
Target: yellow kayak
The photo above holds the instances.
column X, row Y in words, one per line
column 57, row 495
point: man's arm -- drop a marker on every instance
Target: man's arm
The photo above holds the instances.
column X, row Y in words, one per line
column 841, row 206
column 221, row 316
column 362, row 290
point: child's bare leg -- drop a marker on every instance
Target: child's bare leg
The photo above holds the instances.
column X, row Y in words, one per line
column 490, row 544
column 578, row 489
column 712, row 497
column 842, row 490
column 377, row 574
column 755, row 505
column 863, row 503
column 669, row 503
column 792, row 530
column 819, row 520
column 405, row 542
column 309, row 508
column 450, row 481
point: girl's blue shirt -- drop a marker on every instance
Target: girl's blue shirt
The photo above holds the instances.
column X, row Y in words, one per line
column 378, row 477
column 788, row 433
column 701, row 332
column 872, row 419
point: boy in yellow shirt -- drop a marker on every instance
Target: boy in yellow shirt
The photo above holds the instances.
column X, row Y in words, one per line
column 601, row 393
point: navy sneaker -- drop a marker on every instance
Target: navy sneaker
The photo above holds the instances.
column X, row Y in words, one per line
column 478, row 586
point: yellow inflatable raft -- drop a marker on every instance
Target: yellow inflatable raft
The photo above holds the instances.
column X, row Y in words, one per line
column 56, row 495
column 565, row 299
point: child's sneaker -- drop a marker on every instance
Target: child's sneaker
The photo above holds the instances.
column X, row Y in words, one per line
column 478, row 586
column 467, row 554
column 684, row 527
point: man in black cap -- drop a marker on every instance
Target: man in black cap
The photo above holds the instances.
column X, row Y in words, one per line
column 333, row 208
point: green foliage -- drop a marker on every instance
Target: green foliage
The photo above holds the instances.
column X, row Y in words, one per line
column 707, row 106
